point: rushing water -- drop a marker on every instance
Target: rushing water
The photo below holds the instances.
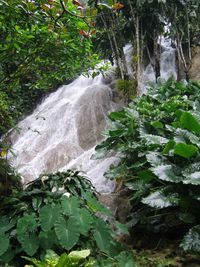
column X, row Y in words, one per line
column 167, row 65
column 63, row 131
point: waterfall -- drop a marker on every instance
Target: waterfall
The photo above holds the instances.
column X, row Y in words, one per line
column 63, row 131
column 167, row 65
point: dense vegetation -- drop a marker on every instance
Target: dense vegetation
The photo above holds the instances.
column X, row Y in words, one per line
column 58, row 212
column 41, row 48
column 57, row 220
column 158, row 136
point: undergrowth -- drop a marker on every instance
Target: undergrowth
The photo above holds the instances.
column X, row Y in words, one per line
column 158, row 138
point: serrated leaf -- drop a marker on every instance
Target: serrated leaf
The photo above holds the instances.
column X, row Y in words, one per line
column 159, row 200
column 48, row 216
column 156, row 159
column 70, row 205
column 191, row 241
column 102, row 235
column 151, row 139
column 192, row 174
column 4, row 243
column 67, row 232
column 185, row 151
column 166, row 173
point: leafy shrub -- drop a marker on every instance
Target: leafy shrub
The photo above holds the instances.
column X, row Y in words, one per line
column 127, row 87
column 41, row 48
column 158, row 136
column 80, row 258
column 59, row 212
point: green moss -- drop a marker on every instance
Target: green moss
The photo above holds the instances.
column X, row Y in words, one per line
column 127, row 87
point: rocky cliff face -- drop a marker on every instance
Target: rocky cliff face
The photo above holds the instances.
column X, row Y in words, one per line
column 195, row 67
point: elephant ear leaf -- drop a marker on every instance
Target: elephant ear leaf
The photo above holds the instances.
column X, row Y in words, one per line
column 67, row 232
column 48, row 216
column 189, row 122
column 4, row 243
column 102, row 236
column 29, row 242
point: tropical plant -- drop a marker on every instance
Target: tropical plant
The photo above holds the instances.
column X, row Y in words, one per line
column 58, row 211
column 158, row 137
column 81, row 258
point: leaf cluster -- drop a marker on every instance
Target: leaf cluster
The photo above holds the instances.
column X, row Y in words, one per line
column 158, row 137
column 40, row 49
column 58, row 211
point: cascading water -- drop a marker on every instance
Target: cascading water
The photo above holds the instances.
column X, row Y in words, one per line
column 167, row 65
column 63, row 131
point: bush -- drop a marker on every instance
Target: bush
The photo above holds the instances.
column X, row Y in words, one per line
column 58, row 212
column 158, row 136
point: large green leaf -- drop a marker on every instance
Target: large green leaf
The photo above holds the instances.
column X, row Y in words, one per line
column 84, row 220
column 70, row 205
column 26, row 224
column 48, row 216
column 191, row 174
column 151, row 139
column 95, row 205
column 47, row 239
column 4, row 243
column 5, row 225
column 189, row 122
column 191, row 240
column 67, row 232
column 156, row 159
column 185, row 151
column 102, row 235
column 159, row 200
column 29, row 242
column 166, row 173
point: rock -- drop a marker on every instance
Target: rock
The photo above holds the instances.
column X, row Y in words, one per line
column 195, row 67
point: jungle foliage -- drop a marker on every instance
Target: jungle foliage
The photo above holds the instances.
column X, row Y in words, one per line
column 60, row 212
column 41, row 47
column 158, row 138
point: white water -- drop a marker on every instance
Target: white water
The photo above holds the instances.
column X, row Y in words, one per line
column 167, row 65
column 63, row 131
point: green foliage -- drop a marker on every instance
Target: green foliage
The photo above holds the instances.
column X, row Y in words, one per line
column 127, row 87
column 81, row 258
column 40, row 48
column 8, row 177
column 53, row 260
column 59, row 212
column 158, row 137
